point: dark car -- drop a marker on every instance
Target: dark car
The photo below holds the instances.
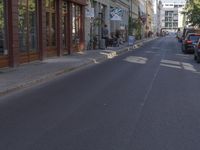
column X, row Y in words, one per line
column 189, row 42
column 197, row 52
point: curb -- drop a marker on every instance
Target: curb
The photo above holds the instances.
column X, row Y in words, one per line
column 53, row 75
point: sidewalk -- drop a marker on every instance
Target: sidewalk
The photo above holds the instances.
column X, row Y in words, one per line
column 12, row 79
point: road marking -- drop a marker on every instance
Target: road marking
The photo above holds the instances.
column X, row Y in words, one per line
column 171, row 66
column 151, row 86
column 152, row 82
column 136, row 59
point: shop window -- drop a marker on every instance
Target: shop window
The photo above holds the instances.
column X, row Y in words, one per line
column 65, row 24
column 27, row 26
column 76, row 26
column 50, row 23
column 3, row 48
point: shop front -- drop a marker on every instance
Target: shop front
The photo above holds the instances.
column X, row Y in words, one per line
column 38, row 29
column 4, row 56
column 27, row 28
column 64, row 26
column 77, row 15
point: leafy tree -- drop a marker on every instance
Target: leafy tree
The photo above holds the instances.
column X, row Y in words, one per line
column 135, row 27
column 192, row 11
column 130, row 25
column 138, row 28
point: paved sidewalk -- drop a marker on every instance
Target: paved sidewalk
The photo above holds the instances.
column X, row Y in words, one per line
column 12, row 79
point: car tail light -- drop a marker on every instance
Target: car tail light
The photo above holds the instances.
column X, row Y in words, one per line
column 188, row 42
column 198, row 46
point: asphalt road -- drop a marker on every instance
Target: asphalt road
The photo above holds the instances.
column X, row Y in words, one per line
column 148, row 99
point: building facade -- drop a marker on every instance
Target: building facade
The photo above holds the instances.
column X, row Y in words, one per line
column 143, row 17
column 158, row 16
column 113, row 13
column 134, row 9
column 170, row 14
column 121, row 24
column 149, row 12
column 97, row 18
column 37, row 29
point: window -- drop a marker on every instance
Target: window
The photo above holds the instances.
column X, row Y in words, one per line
column 50, row 23
column 194, row 38
column 175, row 24
column 27, row 26
column 76, row 25
column 3, row 48
column 64, row 24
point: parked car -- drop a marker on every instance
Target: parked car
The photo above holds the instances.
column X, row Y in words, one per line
column 186, row 31
column 197, row 52
column 189, row 42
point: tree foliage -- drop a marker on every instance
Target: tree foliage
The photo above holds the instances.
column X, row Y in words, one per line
column 138, row 28
column 130, row 25
column 192, row 11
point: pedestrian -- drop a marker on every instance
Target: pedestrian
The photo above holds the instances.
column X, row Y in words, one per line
column 105, row 35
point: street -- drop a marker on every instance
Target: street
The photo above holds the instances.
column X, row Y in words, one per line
column 146, row 99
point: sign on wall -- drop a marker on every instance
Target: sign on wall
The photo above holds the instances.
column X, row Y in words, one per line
column 116, row 14
column 131, row 40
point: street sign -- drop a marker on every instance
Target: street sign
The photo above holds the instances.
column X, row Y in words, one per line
column 131, row 40
column 116, row 14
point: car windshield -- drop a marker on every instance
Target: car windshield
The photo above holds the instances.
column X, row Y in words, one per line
column 194, row 38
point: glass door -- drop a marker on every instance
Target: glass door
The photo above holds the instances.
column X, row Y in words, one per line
column 65, row 27
column 27, row 26
column 51, row 27
column 76, row 27
column 3, row 42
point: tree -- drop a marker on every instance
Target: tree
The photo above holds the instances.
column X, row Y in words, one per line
column 138, row 28
column 192, row 11
column 130, row 25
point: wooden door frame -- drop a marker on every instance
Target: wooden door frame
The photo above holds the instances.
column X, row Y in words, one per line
column 29, row 56
column 65, row 16
column 53, row 50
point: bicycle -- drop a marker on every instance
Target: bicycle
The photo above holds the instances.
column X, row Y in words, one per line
column 92, row 43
